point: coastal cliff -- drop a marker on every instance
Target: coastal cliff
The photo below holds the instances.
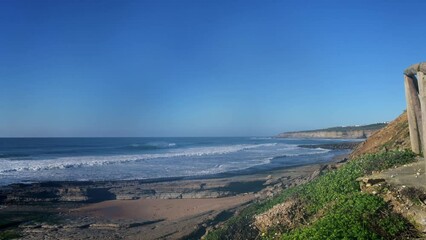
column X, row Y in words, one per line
column 395, row 136
column 352, row 132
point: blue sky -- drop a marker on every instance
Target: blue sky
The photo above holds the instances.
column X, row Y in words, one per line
column 203, row 68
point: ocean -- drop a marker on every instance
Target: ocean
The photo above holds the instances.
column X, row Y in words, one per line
column 28, row 160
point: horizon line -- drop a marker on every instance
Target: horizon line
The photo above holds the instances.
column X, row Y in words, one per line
column 130, row 136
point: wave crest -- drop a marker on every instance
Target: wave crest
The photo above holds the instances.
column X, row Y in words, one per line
column 8, row 165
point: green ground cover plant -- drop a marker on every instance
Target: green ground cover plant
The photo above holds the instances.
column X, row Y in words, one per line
column 335, row 207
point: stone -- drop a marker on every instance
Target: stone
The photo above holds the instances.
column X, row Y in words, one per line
column 104, row 226
column 372, row 181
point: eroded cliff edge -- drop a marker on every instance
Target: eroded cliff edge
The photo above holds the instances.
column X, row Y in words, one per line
column 351, row 132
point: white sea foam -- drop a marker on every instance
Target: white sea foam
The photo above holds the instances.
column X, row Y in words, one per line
column 312, row 151
column 231, row 166
column 8, row 165
column 152, row 145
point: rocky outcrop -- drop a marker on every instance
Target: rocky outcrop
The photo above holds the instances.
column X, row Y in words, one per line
column 122, row 190
column 55, row 192
column 72, row 194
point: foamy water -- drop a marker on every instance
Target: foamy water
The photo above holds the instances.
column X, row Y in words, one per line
column 32, row 160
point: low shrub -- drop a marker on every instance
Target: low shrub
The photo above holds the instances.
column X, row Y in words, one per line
column 334, row 204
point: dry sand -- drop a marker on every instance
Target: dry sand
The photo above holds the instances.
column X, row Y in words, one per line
column 160, row 209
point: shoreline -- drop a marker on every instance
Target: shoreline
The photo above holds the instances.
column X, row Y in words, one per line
column 268, row 164
column 241, row 172
column 251, row 175
column 98, row 209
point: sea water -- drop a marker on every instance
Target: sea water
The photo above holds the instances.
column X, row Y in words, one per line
column 78, row 159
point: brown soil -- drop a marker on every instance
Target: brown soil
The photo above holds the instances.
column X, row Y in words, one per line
column 394, row 136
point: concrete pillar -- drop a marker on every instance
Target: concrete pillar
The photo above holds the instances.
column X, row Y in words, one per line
column 421, row 80
column 413, row 124
column 414, row 93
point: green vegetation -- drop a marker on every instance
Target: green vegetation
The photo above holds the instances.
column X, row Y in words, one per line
column 354, row 216
column 335, row 207
column 239, row 226
column 9, row 234
column 10, row 220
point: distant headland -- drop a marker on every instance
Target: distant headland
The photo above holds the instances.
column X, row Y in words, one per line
column 352, row 132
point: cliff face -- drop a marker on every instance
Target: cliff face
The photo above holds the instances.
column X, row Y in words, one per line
column 394, row 136
column 337, row 132
column 328, row 134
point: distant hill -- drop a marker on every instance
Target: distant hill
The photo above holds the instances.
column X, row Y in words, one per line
column 354, row 132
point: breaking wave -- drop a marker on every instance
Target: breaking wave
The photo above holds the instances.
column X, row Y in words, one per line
column 8, row 165
column 149, row 146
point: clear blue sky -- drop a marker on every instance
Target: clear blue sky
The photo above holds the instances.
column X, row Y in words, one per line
column 203, row 67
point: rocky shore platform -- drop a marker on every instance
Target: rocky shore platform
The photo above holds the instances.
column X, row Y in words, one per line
column 139, row 209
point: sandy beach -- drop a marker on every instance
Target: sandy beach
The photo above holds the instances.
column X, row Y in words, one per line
column 160, row 209
column 160, row 218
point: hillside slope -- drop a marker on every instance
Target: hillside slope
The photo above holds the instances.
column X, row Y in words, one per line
column 392, row 137
column 336, row 132
column 318, row 209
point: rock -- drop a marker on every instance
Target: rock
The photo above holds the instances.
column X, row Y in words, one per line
column 126, row 197
column 30, row 225
column 271, row 181
column 48, row 226
column 372, row 181
column 34, row 230
column 106, row 226
column 289, row 214
column 315, row 174
column 78, row 225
